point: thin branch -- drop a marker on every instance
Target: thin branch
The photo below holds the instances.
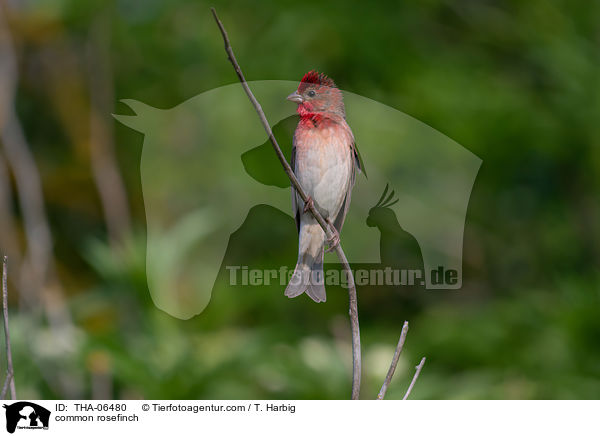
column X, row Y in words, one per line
column 390, row 373
column 7, row 381
column 354, row 324
column 416, row 376
column 353, row 311
column 8, row 229
column 9, row 362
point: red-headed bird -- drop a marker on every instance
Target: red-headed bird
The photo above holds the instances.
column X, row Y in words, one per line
column 325, row 161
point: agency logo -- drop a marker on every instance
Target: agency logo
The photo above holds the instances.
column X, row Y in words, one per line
column 24, row 415
column 213, row 187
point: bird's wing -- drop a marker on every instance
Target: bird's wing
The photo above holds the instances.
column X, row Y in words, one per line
column 295, row 208
column 357, row 164
column 341, row 216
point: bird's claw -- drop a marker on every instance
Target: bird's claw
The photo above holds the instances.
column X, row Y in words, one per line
column 334, row 241
column 308, row 204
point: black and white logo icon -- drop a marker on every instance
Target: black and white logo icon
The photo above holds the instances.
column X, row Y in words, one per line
column 26, row 415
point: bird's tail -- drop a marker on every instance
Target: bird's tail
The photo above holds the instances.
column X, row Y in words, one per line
column 308, row 276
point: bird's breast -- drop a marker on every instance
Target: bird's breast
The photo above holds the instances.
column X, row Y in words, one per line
column 324, row 164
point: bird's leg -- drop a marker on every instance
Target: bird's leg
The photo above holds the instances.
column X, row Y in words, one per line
column 308, row 204
column 334, row 241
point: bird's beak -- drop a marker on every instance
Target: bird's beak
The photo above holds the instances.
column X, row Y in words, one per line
column 295, row 97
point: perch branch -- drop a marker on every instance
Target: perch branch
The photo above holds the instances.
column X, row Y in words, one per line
column 9, row 370
column 414, row 380
column 356, row 356
column 390, row 373
column 7, row 381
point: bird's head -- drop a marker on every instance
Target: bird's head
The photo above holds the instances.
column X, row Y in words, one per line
column 317, row 94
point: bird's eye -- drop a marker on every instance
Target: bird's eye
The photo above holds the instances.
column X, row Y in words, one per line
column 311, row 93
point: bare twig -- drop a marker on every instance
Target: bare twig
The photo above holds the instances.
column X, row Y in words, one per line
column 7, row 380
column 390, row 373
column 9, row 371
column 353, row 311
column 419, row 367
column 9, row 240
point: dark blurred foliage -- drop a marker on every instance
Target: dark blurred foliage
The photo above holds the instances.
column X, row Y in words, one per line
column 517, row 83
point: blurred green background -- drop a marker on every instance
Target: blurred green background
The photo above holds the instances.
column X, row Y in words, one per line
column 517, row 83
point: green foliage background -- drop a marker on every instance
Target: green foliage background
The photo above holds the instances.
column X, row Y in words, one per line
column 517, row 83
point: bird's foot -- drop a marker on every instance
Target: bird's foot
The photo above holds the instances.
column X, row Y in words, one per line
column 308, row 204
column 334, row 241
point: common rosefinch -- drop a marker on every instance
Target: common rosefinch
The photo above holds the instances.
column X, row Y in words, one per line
column 325, row 161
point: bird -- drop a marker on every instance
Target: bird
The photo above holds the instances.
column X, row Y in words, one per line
column 325, row 161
